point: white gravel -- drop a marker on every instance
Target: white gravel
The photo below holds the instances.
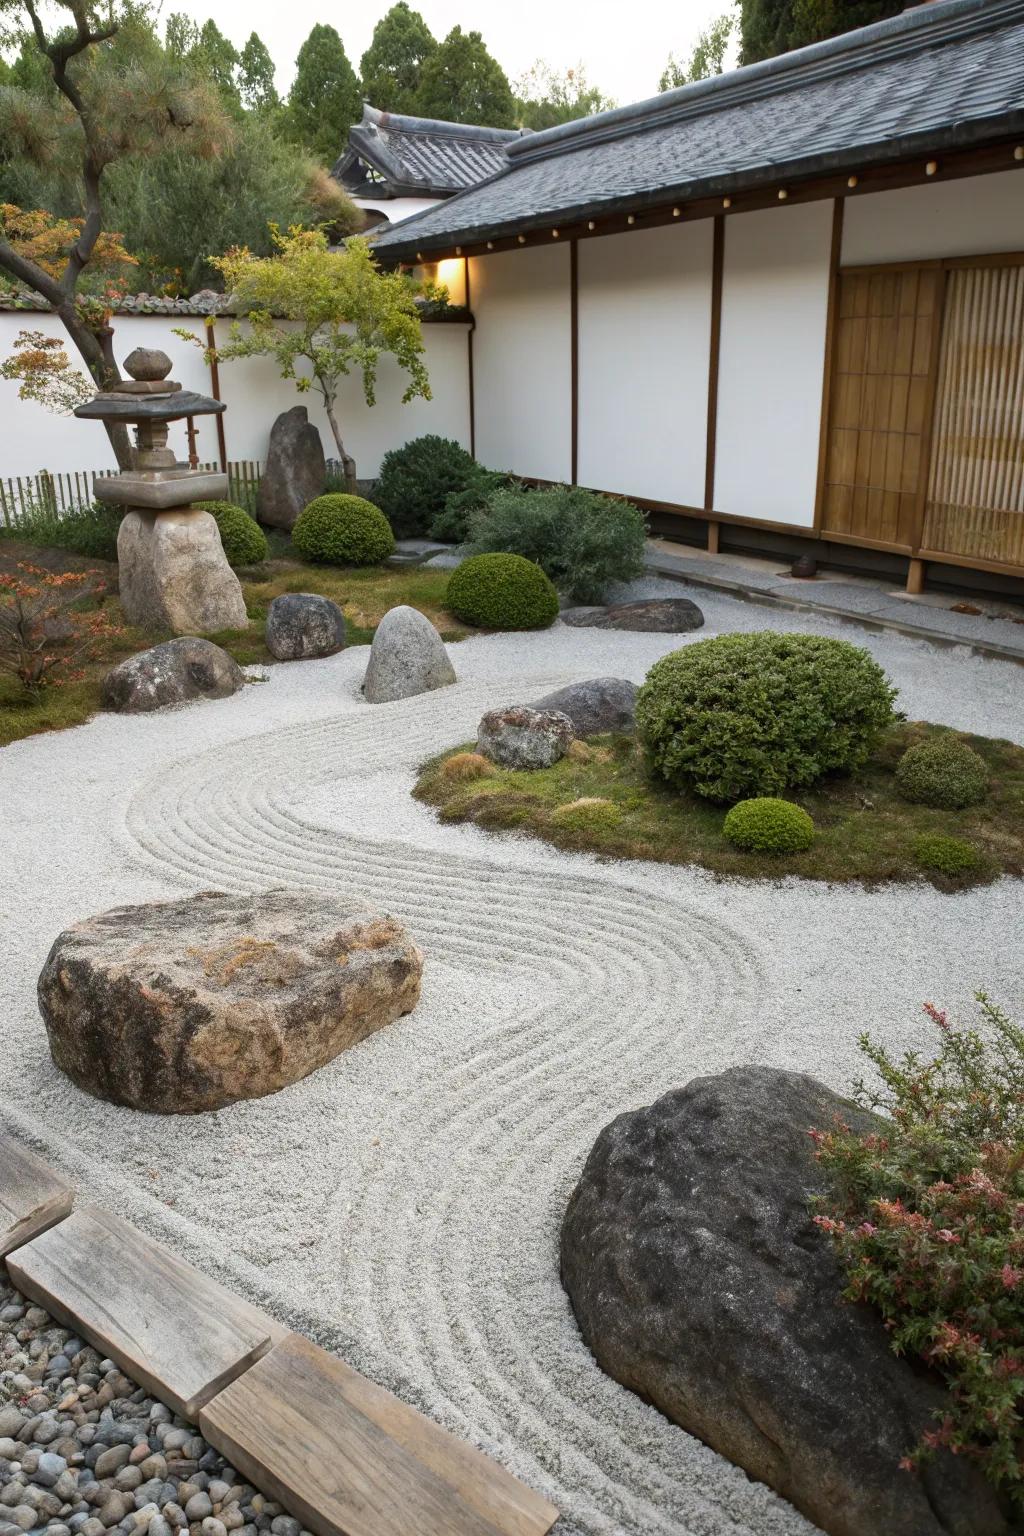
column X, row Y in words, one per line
column 403, row 1204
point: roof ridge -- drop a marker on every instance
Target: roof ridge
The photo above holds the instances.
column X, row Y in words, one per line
column 401, row 122
column 928, row 24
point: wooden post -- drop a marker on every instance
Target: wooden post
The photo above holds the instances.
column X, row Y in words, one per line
column 713, row 537
column 190, row 430
column 915, row 577
column 211, row 345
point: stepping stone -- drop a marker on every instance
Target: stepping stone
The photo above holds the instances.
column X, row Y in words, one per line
column 349, row 1459
column 178, row 1334
column 652, row 615
column 32, row 1196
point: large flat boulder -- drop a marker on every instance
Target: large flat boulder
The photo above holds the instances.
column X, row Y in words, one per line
column 594, row 707
column 176, row 672
column 700, row 1282
column 295, row 471
column 650, row 615
column 407, row 657
column 182, row 1006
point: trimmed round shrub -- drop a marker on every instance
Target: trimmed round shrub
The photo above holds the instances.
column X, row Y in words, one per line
column 416, row 480
column 502, row 592
column 945, row 772
column 757, row 714
column 243, row 539
column 767, row 825
column 343, row 530
column 945, row 855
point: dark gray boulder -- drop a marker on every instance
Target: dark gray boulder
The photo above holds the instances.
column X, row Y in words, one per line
column 518, row 737
column 176, row 672
column 700, row 1282
column 602, row 704
column 302, row 625
column 295, row 472
column 653, row 615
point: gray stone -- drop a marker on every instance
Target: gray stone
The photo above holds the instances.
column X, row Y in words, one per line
column 147, row 363
column 518, row 737
column 295, row 471
column 600, row 705
column 415, row 551
column 652, row 615
column 176, row 672
column 183, row 1006
column 173, row 573
column 11, row 1420
column 49, row 1468
column 699, row 1281
column 198, row 1507
column 449, row 561
column 302, row 625
column 407, row 657
column 112, row 1460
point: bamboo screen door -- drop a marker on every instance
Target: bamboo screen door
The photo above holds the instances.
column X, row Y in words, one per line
column 926, row 424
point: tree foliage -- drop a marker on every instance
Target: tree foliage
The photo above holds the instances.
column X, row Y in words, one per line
column 256, row 76
column 707, row 58
column 462, row 83
column 544, row 98
column 392, row 66
column 333, row 311
column 770, row 27
column 324, row 100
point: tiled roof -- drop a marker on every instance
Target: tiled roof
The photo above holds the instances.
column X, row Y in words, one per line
column 419, row 155
column 944, row 75
column 204, row 303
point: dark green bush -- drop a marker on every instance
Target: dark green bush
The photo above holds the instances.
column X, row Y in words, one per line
column 502, row 592
column 583, row 541
column 452, row 522
column 243, row 539
column 343, row 530
column 416, row 480
column 944, row 773
column 758, row 714
column 945, row 855
column 767, row 825
column 88, row 531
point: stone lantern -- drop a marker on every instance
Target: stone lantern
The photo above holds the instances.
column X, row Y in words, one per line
column 172, row 570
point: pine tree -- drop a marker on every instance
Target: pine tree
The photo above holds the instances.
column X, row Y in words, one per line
column 324, row 100
column 256, row 76
column 392, row 66
column 219, row 58
column 769, row 27
column 462, row 83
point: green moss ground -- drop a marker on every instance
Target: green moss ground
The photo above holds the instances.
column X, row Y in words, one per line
column 865, row 832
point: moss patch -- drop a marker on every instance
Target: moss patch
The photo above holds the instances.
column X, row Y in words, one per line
column 865, row 831
column 365, row 593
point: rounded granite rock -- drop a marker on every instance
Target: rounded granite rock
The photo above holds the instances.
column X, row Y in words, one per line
column 521, row 738
column 184, row 1006
column 176, row 672
column 596, row 706
column 304, row 625
column 407, row 657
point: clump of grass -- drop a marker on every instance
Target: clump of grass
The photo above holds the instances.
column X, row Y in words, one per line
column 588, row 813
column 465, row 766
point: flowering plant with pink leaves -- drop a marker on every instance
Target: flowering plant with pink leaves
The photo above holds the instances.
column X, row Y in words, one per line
column 927, row 1217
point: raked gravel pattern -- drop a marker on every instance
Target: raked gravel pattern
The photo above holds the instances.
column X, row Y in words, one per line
column 403, row 1204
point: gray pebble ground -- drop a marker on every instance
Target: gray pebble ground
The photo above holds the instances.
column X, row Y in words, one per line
column 84, row 1452
column 402, row 1205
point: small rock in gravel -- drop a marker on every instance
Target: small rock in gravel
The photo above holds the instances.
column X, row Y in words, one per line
column 49, row 1468
column 110, row 1461
column 198, row 1507
column 11, row 1420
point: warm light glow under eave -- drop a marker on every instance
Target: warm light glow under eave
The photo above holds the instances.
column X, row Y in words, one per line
column 452, row 274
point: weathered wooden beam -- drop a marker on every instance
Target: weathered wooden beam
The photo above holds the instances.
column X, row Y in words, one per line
column 32, row 1196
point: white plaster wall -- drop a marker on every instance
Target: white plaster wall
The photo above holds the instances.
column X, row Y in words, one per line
column 522, row 361
column 771, row 364
column 977, row 215
column 33, row 439
column 644, row 342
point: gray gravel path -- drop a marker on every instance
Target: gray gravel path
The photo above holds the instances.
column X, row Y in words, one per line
column 403, row 1204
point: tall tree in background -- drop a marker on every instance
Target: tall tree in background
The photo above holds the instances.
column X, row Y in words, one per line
column 392, row 66
column 462, row 83
column 256, row 76
column 115, row 93
column 770, row 27
column 324, row 100
column 707, row 58
column 544, row 98
column 220, row 59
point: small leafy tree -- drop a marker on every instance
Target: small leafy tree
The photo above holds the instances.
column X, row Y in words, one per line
column 927, row 1217
column 392, row 66
column 334, row 311
column 707, row 58
column 324, row 100
column 462, row 83
column 545, row 98
column 45, row 637
column 40, row 364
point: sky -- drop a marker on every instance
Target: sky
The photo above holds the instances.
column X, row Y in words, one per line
column 623, row 48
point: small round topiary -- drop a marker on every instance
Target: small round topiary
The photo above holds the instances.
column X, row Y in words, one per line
column 502, row 592
column 757, row 714
column 945, row 855
column 944, row 772
column 242, row 538
column 766, row 825
column 343, row 530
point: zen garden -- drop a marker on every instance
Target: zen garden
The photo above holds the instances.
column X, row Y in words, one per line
column 512, row 781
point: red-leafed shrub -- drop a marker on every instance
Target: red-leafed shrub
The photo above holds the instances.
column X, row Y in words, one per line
column 46, row 635
column 927, row 1217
